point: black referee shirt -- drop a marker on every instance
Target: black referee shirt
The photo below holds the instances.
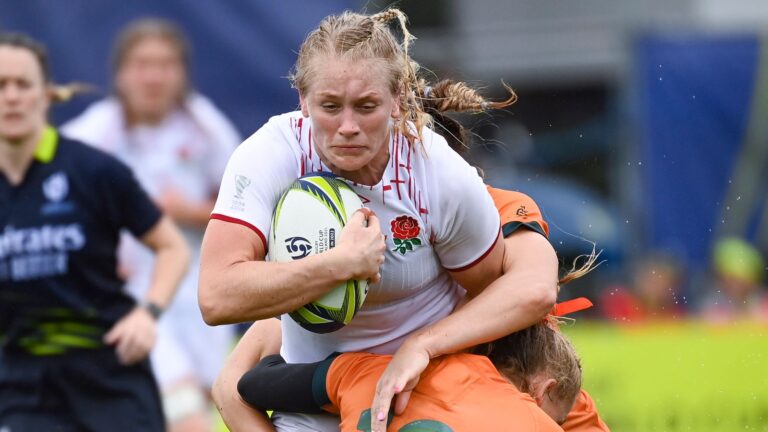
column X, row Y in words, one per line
column 59, row 231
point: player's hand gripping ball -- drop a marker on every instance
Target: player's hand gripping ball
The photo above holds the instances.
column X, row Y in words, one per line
column 308, row 220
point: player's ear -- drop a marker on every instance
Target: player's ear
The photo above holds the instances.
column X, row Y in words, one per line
column 541, row 389
column 303, row 103
column 395, row 114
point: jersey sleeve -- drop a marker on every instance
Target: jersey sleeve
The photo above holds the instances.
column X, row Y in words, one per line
column 127, row 205
column 518, row 210
column 274, row 384
column 464, row 219
column 257, row 173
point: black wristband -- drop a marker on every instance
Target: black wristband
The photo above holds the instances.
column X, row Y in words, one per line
column 154, row 309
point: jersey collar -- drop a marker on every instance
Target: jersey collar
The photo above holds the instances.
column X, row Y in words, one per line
column 46, row 147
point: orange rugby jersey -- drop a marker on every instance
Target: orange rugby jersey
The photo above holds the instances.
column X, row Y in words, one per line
column 458, row 393
column 517, row 209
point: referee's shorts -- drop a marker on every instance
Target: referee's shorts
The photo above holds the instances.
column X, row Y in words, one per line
column 81, row 390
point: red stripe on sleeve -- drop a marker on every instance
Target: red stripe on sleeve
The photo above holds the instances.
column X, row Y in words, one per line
column 475, row 262
column 230, row 219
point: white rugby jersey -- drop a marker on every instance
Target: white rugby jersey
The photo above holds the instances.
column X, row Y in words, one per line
column 435, row 213
column 434, row 187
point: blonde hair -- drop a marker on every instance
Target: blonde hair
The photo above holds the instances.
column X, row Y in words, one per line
column 353, row 36
column 542, row 349
column 590, row 263
column 537, row 350
column 61, row 93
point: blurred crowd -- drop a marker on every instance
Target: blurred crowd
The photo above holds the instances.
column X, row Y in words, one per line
column 659, row 287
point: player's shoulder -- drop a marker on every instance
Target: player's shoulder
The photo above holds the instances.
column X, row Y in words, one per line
column 517, row 209
column 504, row 196
column 458, row 369
column 436, row 149
column 446, row 168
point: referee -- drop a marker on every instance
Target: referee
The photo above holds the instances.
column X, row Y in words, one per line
column 73, row 345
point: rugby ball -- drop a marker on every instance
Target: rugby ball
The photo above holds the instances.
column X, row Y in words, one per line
column 308, row 220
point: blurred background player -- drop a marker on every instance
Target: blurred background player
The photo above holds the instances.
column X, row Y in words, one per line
column 73, row 344
column 178, row 144
column 736, row 291
column 525, row 381
column 655, row 292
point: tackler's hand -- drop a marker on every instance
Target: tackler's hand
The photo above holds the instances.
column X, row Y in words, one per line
column 397, row 382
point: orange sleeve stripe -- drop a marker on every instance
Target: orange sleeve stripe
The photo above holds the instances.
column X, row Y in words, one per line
column 571, row 306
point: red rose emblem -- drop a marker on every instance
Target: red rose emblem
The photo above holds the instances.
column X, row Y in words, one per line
column 405, row 234
column 405, row 227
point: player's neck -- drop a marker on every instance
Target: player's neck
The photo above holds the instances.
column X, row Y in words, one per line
column 16, row 156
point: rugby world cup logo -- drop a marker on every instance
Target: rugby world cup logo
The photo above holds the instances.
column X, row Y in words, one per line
column 241, row 182
column 56, row 187
column 298, row 247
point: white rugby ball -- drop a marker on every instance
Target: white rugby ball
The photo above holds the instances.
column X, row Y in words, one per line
column 308, row 220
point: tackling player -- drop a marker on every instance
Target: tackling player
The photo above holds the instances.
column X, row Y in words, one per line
column 519, row 214
column 501, row 386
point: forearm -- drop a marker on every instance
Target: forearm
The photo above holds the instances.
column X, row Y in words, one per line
column 276, row 385
column 170, row 266
column 262, row 339
column 522, row 296
column 236, row 414
column 254, row 290
column 512, row 303
column 172, row 257
column 237, row 284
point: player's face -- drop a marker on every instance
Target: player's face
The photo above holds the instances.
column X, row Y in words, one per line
column 151, row 79
column 351, row 106
column 24, row 97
